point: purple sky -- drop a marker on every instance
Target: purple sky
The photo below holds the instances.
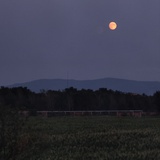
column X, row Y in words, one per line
column 55, row 38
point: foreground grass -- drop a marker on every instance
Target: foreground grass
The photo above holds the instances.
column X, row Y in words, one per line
column 91, row 138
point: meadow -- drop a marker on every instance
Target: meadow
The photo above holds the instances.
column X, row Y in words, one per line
column 90, row 138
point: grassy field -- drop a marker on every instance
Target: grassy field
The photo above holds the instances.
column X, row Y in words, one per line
column 91, row 138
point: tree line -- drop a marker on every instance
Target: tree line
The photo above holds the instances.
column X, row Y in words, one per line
column 72, row 99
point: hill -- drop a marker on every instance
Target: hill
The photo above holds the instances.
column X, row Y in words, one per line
column 138, row 87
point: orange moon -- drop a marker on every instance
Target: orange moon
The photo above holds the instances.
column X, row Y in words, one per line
column 112, row 25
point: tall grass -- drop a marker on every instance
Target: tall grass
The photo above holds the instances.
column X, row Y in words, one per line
column 91, row 138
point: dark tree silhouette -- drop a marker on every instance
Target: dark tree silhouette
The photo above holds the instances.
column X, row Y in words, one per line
column 72, row 99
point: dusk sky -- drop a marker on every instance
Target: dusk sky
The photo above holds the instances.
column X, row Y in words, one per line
column 71, row 39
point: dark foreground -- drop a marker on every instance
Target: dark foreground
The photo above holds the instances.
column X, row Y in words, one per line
column 91, row 138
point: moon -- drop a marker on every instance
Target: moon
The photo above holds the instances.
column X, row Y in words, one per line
column 112, row 25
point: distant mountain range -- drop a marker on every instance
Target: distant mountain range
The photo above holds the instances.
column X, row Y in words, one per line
column 138, row 87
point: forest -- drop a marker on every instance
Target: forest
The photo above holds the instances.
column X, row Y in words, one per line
column 72, row 99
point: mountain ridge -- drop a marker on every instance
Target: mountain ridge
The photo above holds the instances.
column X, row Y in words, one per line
column 123, row 85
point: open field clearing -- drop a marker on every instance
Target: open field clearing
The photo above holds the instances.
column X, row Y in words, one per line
column 91, row 138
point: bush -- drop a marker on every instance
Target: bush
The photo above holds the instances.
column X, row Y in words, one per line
column 10, row 130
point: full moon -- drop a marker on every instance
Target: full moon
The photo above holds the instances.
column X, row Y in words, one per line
column 112, row 25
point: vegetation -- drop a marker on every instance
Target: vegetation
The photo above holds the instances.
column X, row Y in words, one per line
column 83, row 138
column 10, row 132
column 77, row 138
column 73, row 99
